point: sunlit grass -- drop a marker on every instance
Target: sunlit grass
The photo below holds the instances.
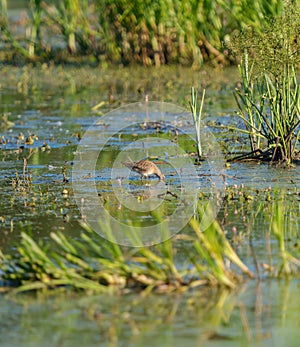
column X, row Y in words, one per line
column 95, row 264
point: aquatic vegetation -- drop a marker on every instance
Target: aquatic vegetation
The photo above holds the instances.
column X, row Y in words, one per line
column 86, row 264
column 272, row 126
column 164, row 32
column 5, row 123
column 71, row 17
column 197, row 117
column 97, row 265
column 214, row 249
column 35, row 13
column 269, row 96
column 285, row 225
column 22, row 182
column 150, row 33
column 273, row 216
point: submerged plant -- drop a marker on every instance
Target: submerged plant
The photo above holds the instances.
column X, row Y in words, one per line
column 269, row 96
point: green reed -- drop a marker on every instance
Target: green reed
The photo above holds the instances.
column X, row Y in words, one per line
column 197, row 117
column 270, row 111
column 275, row 215
column 150, row 33
column 269, row 96
column 95, row 264
column 3, row 8
column 284, row 224
column 36, row 21
column 35, row 15
column 187, row 32
column 70, row 17
column 215, row 250
column 5, row 33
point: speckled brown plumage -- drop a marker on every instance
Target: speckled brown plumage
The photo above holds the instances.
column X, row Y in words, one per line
column 145, row 168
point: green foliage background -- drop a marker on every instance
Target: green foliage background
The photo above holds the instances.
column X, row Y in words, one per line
column 157, row 32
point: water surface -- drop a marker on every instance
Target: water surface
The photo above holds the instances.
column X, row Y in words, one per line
column 56, row 105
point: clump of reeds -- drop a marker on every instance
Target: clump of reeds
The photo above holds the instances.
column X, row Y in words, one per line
column 71, row 18
column 269, row 96
column 99, row 265
column 146, row 32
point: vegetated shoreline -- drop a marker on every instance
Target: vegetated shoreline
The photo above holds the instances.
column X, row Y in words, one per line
column 160, row 33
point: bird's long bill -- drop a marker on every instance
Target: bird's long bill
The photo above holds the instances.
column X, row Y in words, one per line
column 128, row 164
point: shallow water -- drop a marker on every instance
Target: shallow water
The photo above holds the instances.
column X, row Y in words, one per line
column 258, row 314
column 56, row 105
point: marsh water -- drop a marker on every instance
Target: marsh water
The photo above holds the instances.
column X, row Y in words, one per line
column 45, row 112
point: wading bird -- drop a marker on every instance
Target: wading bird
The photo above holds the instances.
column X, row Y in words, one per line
column 145, row 168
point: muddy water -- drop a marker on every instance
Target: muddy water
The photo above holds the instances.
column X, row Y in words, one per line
column 56, row 105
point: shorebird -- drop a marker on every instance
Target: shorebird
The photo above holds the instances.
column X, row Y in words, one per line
column 145, row 168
